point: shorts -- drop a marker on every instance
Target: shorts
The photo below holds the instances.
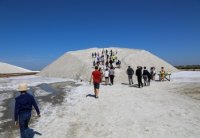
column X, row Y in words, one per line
column 96, row 85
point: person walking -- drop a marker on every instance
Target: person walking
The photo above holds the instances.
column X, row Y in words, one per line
column 130, row 73
column 96, row 77
column 153, row 73
column 102, row 60
column 23, row 107
column 102, row 52
column 111, row 62
column 139, row 76
column 101, row 71
column 111, row 53
column 149, row 79
column 146, row 77
column 94, row 63
column 112, row 75
column 106, row 75
column 107, row 64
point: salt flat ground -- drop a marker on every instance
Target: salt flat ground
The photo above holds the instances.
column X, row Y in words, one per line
column 162, row 110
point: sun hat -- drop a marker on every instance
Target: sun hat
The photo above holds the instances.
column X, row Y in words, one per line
column 23, row 87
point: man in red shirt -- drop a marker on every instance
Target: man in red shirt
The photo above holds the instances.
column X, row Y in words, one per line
column 96, row 76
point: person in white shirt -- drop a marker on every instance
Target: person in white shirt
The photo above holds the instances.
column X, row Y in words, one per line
column 106, row 75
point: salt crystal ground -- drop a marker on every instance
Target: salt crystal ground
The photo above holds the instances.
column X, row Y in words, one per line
column 158, row 111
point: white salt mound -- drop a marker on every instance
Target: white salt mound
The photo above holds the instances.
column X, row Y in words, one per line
column 78, row 64
column 7, row 68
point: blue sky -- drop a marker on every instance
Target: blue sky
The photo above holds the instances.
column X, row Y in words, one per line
column 33, row 33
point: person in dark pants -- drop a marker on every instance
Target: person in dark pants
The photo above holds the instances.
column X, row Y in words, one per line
column 112, row 75
column 96, row 76
column 130, row 73
column 146, row 77
column 149, row 79
column 139, row 76
column 23, row 108
column 111, row 62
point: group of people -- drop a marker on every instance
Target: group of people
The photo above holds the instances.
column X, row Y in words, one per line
column 104, row 70
column 141, row 73
column 25, row 102
column 145, row 74
column 106, row 59
column 97, row 76
column 107, row 69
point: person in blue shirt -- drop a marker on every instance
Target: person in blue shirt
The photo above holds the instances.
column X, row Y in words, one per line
column 23, row 107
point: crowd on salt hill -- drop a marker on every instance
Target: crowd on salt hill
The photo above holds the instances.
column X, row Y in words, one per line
column 107, row 61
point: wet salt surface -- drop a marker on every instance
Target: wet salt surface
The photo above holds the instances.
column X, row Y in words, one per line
column 13, row 82
column 187, row 83
column 45, row 94
column 189, row 89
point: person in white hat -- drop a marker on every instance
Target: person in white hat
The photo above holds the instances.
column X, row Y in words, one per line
column 23, row 107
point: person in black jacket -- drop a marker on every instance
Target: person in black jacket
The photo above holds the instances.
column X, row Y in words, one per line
column 146, row 77
column 23, row 108
column 139, row 76
column 130, row 73
column 111, row 62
